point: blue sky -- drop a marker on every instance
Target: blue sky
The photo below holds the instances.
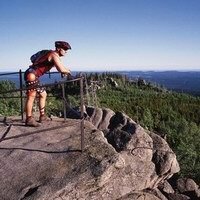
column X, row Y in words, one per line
column 104, row 34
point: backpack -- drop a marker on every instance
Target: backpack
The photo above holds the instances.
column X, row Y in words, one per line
column 35, row 58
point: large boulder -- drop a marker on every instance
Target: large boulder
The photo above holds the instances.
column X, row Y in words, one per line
column 121, row 160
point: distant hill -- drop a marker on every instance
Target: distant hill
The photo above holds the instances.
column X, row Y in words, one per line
column 187, row 82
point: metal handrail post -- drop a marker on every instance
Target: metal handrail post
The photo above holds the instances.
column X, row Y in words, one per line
column 82, row 114
column 21, row 94
column 64, row 100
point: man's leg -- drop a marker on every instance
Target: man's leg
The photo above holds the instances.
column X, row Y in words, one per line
column 42, row 103
column 30, row 79
column 29, row 103
column 31, row 84
column 30, row 121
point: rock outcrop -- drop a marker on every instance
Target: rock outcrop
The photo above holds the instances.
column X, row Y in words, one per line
column 121, row 160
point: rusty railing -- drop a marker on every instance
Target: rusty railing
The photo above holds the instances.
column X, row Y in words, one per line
column 65, row 103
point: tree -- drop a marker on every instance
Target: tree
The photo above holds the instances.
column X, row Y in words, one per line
column 9, row 102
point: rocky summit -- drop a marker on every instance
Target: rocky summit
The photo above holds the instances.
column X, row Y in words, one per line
column 120, row 160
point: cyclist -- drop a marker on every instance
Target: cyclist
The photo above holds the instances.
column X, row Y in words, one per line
column 40, row 66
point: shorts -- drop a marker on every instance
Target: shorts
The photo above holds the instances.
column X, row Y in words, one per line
column 34, row 84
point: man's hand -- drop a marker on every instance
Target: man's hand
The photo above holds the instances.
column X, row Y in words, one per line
column 68, row 76
column 68, row 72
column 64, row 75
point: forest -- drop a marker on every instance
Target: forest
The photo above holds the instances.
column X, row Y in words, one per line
column 174, row 116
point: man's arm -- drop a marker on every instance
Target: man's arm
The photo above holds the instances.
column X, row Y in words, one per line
column 58, row 64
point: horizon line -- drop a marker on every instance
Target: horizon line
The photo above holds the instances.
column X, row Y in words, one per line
column 125, row 70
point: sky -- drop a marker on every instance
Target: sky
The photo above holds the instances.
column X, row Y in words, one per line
column 105, row 35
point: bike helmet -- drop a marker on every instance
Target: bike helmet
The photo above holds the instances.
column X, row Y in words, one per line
column 62, row 44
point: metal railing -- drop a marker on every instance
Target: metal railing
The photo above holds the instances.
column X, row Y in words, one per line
column 65, row 103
